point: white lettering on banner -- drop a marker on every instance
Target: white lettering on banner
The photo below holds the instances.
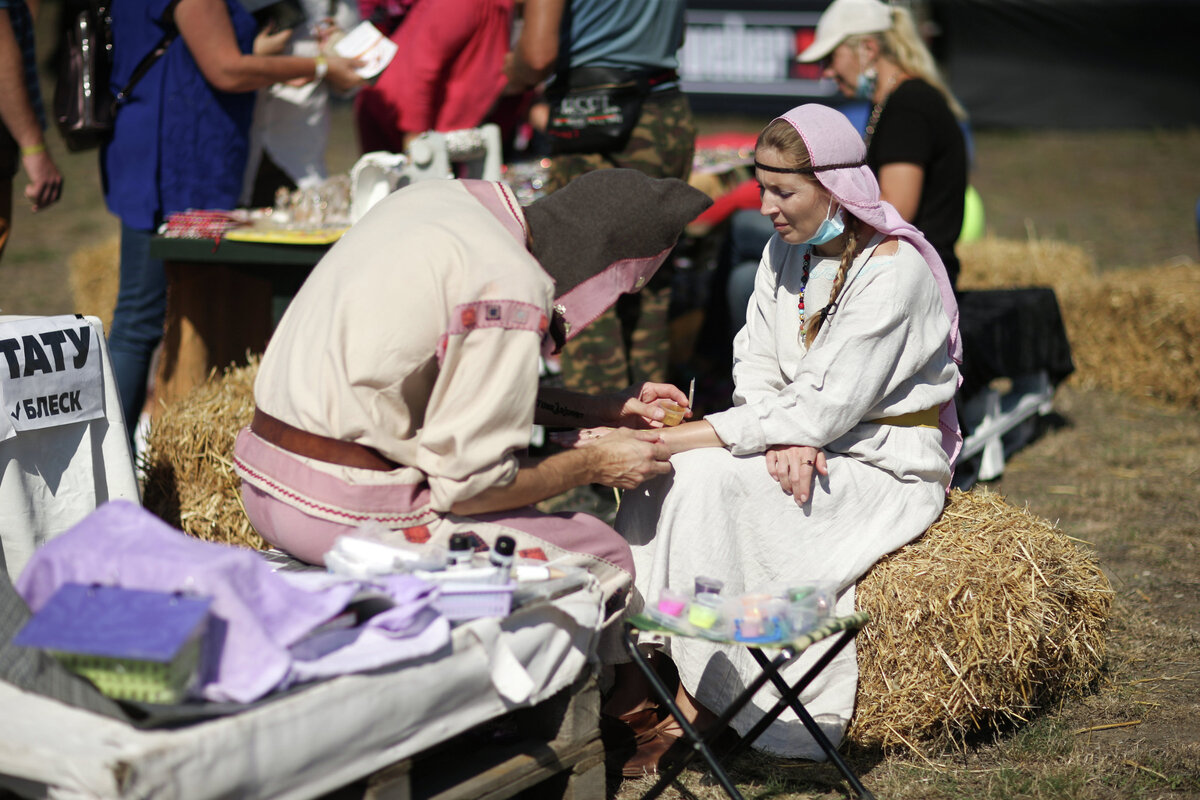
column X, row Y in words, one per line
column 737, row 52
column 749, row 52
column 50, row 373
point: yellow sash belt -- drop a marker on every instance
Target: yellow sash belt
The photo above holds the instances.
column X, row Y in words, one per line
column 926, row 418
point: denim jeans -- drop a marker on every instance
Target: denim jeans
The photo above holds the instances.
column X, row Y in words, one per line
column 137, row 325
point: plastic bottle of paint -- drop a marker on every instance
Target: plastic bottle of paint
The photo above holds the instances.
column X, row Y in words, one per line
column 461, row 550
column 502, row 558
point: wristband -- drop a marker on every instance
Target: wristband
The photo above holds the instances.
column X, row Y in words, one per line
column 321, row 68
column 33, row 149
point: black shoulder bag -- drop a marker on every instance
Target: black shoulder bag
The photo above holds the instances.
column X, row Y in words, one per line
column 83, row 107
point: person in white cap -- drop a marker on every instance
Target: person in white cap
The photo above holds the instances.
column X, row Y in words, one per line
column 914, row 136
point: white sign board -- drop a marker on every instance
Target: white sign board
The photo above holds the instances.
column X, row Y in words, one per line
column 50, row 374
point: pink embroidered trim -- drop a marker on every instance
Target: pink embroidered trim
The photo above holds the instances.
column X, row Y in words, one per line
column 588, row 300
column 288, row 478
column 508, row 314
column 271, row 487
column 497, row 198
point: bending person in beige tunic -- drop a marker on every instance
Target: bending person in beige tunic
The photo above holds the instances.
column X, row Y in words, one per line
column 401, row 385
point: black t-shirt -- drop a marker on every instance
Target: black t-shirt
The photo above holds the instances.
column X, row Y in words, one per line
column 918, row 127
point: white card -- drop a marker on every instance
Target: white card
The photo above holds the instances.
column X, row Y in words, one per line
column 367, row 43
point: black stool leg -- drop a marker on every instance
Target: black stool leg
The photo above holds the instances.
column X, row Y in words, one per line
column 791, row 696
column 698, row 743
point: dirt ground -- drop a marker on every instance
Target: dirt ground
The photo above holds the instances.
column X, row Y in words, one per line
column 1121, row 475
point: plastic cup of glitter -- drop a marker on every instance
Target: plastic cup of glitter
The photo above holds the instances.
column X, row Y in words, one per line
column 673, row 414
column 704, row 585
column 671, row 604
column 704, row 614
column 755, row 619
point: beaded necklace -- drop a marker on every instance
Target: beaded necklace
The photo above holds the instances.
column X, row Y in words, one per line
column 804, row 282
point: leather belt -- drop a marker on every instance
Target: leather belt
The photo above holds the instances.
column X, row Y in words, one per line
column 595, row 77
column 315, row 446
column 925, row 418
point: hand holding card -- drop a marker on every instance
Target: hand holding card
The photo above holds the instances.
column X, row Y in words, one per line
column 366, row 43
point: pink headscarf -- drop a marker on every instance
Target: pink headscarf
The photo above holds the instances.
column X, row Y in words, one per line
column 832, row 139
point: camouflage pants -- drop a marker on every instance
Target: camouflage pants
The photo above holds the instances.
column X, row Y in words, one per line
column 630, row 342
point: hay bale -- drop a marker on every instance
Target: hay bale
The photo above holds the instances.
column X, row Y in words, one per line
column 992, row 263
column 190, row 481
column 1138, row 332
column 95, row 275
column 989, row 617
column 1134, row 331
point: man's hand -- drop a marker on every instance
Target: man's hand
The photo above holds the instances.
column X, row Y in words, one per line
column 625, row 459
column 795, row 467
column 641, row 406
column 45, row 181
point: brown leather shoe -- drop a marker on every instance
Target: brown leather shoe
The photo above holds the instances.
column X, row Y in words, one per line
column 624, row 734
column 653, row 747
column 664, row 744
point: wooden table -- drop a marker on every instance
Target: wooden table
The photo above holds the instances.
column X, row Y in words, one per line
column 224, row 299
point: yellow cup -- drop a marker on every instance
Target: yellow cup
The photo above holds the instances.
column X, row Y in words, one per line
column 674, row 414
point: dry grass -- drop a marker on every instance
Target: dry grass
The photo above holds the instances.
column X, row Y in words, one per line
column 989, row 617
column 190, row 481
column 95, row 274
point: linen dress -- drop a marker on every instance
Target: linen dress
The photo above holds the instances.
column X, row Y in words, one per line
column 882, row 352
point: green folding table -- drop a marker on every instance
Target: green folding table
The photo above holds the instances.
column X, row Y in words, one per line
column 845, row 628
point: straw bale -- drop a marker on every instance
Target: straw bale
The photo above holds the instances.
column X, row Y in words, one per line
column 94, row 272
column 190, row 481
column 1138, row 332
column 993, row 263
column 991, row 616
column 1134, row 331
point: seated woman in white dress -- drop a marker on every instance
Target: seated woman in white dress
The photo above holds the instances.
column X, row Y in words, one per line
column 839, row 446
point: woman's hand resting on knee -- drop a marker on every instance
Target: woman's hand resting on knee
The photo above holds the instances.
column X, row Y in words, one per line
column 795, row 467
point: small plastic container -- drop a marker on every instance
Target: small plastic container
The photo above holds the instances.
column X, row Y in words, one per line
column 463, row 601
column 808, row 605
column 671, row 603
column 673, row 414
column 801, row 618
column 704, row 614
column 708, row 586
column 758, row 619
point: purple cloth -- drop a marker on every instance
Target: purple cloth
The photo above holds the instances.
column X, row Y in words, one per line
column 263, row 614
column 831, row 139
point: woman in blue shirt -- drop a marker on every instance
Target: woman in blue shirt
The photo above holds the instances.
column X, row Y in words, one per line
column 180, row 141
